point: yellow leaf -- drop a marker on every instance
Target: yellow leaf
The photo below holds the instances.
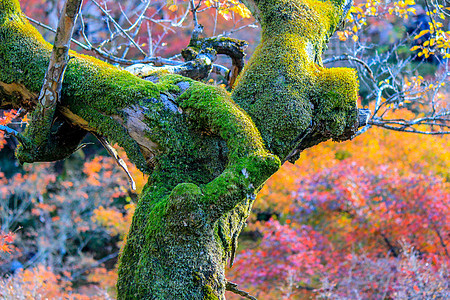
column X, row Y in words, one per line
column 225, row 13
column 355, row 38
column 173, row 7
column 342, row 36
column 422, row 33
column 242, row 10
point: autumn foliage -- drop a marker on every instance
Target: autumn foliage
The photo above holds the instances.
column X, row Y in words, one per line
column 346, row 220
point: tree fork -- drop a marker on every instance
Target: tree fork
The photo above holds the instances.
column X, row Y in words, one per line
column 206, row 155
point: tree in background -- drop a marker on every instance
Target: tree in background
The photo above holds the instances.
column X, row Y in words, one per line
column 308, row 137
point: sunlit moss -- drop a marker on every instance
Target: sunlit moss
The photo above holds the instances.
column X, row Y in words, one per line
column 283, row 88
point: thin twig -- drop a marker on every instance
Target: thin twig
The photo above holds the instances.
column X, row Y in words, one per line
column 109, row 57
column 402, row 129
column 117, row 158
column 141, row 16
column 349, row 57
column 120, row 28
column 122, row 61
column 54, row 31
column 194, row 13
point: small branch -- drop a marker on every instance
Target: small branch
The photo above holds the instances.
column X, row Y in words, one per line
column 232, row 287
column 441, row 240
column 390, row 246
column 54, row 31
column 194, row 13
column 379, row 95
column 404, row 127
column 221, row 70
column 352, row 58
column 42, row 118
column 117, row 158
column 157, row 61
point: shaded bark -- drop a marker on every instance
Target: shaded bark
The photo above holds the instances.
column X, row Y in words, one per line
column 207, row 152
column 42, row 118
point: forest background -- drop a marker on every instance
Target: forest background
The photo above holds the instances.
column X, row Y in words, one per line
column 363, row 219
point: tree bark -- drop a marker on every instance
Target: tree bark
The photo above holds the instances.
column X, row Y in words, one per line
column 207, row 152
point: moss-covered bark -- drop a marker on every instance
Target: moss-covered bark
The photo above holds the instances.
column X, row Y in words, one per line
column 294, row 101
column 206, row 155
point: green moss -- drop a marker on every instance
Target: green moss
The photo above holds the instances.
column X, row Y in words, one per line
column 92, row 89
column 209, row 293
column 282, row 86
column 336, row 99
column 8, row 9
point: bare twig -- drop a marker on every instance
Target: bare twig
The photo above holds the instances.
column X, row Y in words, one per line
column 141, row 16
column 232, row 287
column 119, row 27
column 194, row 12
column 114, row 59
column 117, row 158
column 54, row 31
column 352, row 58
column 406, row 128
column 444, row 246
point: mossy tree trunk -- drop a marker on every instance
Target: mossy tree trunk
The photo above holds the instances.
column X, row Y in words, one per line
column 207, row 152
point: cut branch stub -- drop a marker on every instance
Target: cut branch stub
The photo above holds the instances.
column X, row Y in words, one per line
column 363, row 117
column 233, row 48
